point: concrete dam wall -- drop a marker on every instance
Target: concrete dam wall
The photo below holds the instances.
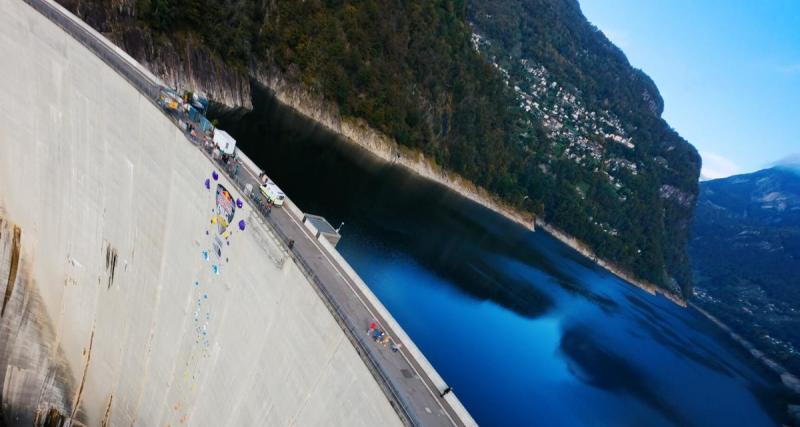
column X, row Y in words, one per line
column 122, row 304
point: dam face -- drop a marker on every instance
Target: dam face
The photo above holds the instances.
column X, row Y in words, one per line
column 122, row 302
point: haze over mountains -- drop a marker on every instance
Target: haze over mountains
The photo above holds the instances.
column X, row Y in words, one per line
column 745, row 253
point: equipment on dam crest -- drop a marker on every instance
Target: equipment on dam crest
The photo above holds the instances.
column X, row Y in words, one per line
column 273, row 194
column 224, row 141
column 177, row 339
column 324, row 228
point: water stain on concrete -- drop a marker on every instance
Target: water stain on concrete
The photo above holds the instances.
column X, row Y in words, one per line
column 50, row 418
column 83, row 377
column 107, row 415
column 35, row 379
column 13, row 268
column 111, row 263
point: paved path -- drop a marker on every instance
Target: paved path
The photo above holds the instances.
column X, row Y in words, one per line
column 410, row 384
column 405, row 382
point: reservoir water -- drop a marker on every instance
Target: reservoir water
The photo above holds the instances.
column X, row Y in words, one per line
column 525, row 330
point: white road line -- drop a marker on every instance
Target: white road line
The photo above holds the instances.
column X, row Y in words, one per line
column 370, row 310
column 347, row 281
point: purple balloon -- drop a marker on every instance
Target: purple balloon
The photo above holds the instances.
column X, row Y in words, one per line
column 239, row 203
column 215, row 175
column 241, row 225
column 208, row 184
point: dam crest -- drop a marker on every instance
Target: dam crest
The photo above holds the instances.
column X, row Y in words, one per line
column 126, row 303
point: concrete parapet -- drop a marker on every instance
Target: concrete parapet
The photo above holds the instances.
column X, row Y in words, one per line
column 293, row 209
column 149, row 326
column 141, row 174
column 420, row 359
column 247, row 163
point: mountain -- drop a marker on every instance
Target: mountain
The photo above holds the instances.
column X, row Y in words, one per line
column 604, row 138
column 745, row 253
column 525, row 100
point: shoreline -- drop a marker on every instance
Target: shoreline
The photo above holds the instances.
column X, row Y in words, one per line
column 357, row 132
column 787, row 378
column 233, row 90
column 584, row 250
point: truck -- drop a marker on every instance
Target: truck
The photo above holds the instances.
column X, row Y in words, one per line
column 224, row 141
column 273, row 194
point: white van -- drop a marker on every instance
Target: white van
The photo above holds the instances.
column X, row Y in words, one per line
column 273, row 194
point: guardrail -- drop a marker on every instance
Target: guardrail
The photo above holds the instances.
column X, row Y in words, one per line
column 230, row 170
column 115, row 57
column 150, row 86
column 353, row 334
column 351, row 331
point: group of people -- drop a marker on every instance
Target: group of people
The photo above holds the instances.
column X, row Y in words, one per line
column 263, row 205
column 381, row 337
column 266, row 205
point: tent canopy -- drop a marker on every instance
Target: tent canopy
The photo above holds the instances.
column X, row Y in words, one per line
column 224, row 141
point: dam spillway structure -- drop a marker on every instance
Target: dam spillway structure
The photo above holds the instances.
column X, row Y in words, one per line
column 129, row 294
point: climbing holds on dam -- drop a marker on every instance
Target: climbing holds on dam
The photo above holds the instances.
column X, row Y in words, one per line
column 225, row 208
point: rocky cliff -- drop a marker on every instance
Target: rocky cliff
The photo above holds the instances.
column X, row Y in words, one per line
column 449, row 93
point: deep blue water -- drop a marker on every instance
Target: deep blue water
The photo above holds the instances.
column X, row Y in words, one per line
column 525, row 330
column 600, row 353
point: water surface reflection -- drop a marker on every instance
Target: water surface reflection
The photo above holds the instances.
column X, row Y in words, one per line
column 527, row 331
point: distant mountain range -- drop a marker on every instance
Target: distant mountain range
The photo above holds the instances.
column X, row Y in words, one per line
column 745, row 254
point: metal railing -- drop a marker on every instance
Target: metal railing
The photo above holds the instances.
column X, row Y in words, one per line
column 99, row 47
column 230, row 169
column 352, row 332
column 152, row 89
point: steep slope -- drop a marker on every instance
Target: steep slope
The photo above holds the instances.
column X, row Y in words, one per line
column 745, row 252
column 453, row 98
column 626, row 181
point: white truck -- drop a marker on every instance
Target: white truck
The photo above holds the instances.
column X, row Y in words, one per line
column 273, row 194
column 224, row 141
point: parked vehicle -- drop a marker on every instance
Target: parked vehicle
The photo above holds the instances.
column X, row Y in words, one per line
column 273, row 194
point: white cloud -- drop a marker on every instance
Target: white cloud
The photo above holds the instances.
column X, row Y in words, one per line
column 716, row 166
column 792, row 160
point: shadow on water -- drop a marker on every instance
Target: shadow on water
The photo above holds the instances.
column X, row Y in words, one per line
column 389, row 211
column 439, row 229
column 599, row 367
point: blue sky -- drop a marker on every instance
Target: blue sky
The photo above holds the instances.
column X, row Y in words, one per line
column 728, row 70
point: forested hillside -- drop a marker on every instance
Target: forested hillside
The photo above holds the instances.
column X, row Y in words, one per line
column 458, row 81
column 634, row 177
column 745, row 252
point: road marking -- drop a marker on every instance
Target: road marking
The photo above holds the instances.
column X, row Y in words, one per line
column 347, row 281
column 368, row 307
